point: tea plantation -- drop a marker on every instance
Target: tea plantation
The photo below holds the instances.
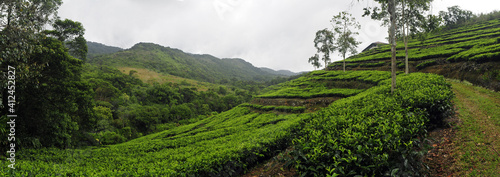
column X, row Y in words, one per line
column 478, row 42
column 367, row 132
column 468, row 52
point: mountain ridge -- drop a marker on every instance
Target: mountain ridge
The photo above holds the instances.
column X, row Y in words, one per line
column 202, row 67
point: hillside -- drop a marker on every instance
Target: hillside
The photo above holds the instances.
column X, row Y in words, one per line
column 279, row 72
column 175, row 62
column 372, row 125
column 470, row 52
column 95, row 49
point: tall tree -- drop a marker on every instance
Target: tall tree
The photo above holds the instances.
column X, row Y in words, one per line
column 71, row 34
column 55, row 105
column 387, row 13
column 431, row 23
column 314, row 60
column 392, row 39
column 21, row 22
column 324, row 43
column 342, row 24
column 408, row 15
column 411, row 15
column 455, row 16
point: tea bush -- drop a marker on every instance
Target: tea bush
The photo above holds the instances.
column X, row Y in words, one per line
column 373, row 133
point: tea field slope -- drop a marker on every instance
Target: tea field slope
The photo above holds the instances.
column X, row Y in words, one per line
column 356, row 126
column 220, row 145
column 469, row 52
column 223, row 144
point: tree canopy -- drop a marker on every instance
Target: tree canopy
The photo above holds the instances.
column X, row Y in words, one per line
column 325, row 43
column 343, row 32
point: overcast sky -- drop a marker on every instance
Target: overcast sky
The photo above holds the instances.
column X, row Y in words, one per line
column 277, row 34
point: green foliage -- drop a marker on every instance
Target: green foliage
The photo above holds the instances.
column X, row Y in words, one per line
column 175, row 62
column 109, row 137
column 71, row 33
column 346, row 43
column 222, row 145
column 20, row 34
column 322, row 84
column 373, row 133
column 143, row 108
column 324, row 43
column 478, row 53
column 95, row 49
column 456, row 16
column 60, row 103
column 314, row 60
column 426, row 64
column 286, row 109
column 477, row 42
column 382, row 63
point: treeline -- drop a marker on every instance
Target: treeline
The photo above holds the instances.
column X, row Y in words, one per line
column 62, row 102
column 127, row 108
column 453, row 17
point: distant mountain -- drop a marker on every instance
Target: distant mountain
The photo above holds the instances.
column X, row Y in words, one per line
column 279, row 72
column 178, row 63
column 95, row 49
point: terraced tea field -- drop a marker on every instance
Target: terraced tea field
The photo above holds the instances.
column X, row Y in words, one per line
column 479, row 42
column 228, row 143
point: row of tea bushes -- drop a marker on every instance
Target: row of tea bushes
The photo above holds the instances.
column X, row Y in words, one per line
column 373, row 133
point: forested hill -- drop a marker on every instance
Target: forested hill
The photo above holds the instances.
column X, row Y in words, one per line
column 95, row 49
column 279, row 72
column 467, row 52
column 178, row 63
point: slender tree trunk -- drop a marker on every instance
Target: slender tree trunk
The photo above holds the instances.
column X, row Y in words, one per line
column 9, row 13
column 392, row 30
column 344, row 63
column 407, row 68
column 405, row 38
column 344, row 42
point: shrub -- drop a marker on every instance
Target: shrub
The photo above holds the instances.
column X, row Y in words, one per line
column 110, row 137
column 373, row 133
column 426, row 64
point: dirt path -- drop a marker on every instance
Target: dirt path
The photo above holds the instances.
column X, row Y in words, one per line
column 471, row 145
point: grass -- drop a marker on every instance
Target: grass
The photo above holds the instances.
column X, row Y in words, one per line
column 221, row 145
column 150, row 77
column 477, row 140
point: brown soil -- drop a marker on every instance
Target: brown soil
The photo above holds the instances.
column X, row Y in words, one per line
column 439, row 158
column 274, row 167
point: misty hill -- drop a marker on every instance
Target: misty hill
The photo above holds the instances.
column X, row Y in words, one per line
column 178, row 63
column 279, row 72
column 95, row 49
column 470, row 52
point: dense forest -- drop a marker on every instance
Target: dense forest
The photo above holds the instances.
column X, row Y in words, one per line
column 76, row 108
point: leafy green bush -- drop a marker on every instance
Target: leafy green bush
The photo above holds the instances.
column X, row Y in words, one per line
column 110, row 137
column 382, row 63
column 287, row 109
column 373, row 133
column 478, row 42
column 426, row 64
